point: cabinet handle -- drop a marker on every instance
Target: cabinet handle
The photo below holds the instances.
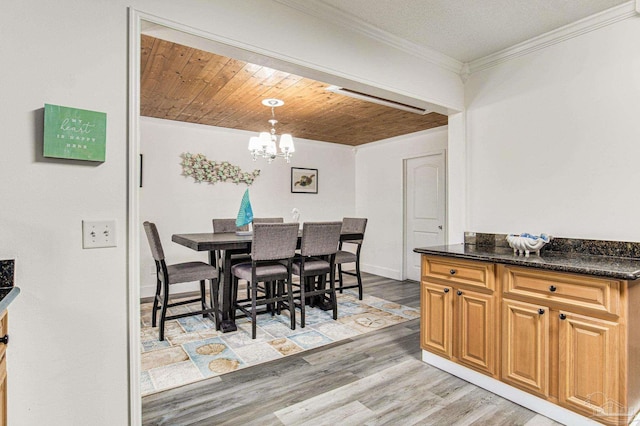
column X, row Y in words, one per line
column 541, row 311
column 459, row 293
column 563, row 317
column 552, row 288
column 4, row 339
column 446, row 290
column 452, row 271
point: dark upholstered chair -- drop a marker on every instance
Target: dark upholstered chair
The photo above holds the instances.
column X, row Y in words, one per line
column 268, row 220
column 272, row 250
column 180, row 273
column 317, row 252
column 358, row 226
column 226, row 226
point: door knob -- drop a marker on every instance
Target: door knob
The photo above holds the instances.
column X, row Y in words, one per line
column 446, row 290
column 4, row 339
column 439, row 226
column 459, row 293
column 541, row 311
column 563, row 317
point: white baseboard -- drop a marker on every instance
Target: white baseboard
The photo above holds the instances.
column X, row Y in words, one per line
column 539, row 405
column 381, row 271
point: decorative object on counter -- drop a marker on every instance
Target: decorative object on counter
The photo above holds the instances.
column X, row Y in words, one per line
column 525, row 243
column 6, row 272
column 76, row 134
column 204, row 170
column 295, row 215
column 304, row 180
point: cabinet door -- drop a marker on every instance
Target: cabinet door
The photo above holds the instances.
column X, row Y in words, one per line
column 525, row 346
column 436, row 326
column 3, row 391
column 477, row 335
column 589, row 367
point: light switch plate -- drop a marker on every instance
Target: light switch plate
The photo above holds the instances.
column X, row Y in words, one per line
column 98, row 233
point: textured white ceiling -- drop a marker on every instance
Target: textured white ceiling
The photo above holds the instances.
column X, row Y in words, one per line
column 466, row 29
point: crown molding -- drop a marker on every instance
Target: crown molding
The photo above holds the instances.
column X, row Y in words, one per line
column 331, row 14
column 575, row 29
column 591, row 23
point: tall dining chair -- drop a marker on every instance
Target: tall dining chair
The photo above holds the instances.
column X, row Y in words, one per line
column 316, row 260
column 356, row 226
column 268, row 220
column 180, row 273
column 226, row 226
column 272, row 250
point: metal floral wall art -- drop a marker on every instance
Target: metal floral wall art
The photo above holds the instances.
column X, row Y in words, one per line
column 203, row 170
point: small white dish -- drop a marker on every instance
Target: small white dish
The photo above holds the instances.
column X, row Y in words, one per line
column 525, row 243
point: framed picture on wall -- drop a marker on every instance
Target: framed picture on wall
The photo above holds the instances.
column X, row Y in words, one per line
column 73, row 133
column 304, row 181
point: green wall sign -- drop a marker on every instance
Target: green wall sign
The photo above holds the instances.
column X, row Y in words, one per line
column 74, row 133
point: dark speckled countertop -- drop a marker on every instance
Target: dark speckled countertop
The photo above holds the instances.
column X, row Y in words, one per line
column 615, row 259
column 8, row 292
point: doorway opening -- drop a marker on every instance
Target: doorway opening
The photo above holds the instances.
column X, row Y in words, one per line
column 140, row 24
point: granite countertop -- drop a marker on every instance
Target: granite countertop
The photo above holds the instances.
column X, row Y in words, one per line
column 8, row 291
column 7, row 294
column 625, row 268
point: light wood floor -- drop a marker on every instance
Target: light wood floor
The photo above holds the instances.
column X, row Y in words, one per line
column 373, row 379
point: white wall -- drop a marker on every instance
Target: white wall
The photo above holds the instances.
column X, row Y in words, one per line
column 177, row 204
column 553, row 139
column 67, row 359
column 379, row 196
column 68, row 355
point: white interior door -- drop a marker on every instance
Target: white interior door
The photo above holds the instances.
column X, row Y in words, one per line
column 424, row 208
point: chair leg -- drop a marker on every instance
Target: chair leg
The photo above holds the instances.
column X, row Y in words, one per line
column 292, row 306
column 332, row 296
column 203, row 298
column 270, row 293
column 234, row 297
column 213, row 295
column 254, row 297
column 279, row 291
column 163, row 313
column 359, row 277
column 155, row 303
column 303, row 301
column 340, row 277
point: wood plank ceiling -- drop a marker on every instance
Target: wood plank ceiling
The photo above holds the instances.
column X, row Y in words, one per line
column 186, row 84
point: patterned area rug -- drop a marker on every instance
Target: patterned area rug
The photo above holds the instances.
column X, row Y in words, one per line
column 193, row 350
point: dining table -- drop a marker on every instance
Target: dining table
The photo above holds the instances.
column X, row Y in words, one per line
column 230, row 243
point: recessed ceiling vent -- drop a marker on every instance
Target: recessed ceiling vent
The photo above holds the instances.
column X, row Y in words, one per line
column 377, row 100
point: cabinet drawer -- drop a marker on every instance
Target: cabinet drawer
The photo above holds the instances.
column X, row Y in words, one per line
column 470, row 273
column 566, row 290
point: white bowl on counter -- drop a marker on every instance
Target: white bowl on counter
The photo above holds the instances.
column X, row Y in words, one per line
column 523, row 244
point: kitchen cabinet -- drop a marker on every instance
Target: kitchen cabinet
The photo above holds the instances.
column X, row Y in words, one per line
column 563, row 337
column 525, row 346
column 3, row 369
column 458, row 311
column 589, row 366
column 587, row 355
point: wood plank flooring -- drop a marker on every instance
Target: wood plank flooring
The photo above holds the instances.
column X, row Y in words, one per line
column 372, row 379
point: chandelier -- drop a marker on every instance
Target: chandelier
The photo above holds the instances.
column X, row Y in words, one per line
column 264, row 145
